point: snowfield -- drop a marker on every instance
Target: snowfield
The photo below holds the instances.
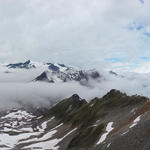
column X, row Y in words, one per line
column 52, row 144
column 17, row 122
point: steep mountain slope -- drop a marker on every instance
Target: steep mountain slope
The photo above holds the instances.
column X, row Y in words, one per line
column 114, row 122
column 44, row 78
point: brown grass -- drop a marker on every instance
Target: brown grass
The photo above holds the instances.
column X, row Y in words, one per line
column 144, row 109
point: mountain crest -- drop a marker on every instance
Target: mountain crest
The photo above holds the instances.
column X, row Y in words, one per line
column 113, row 93
column 21, row 65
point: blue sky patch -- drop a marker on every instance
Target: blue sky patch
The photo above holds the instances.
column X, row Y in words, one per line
column 147, row 34
column 137, row 26
column 132, row 66
column 145, row 58
column 142, row 1
column 114, row 59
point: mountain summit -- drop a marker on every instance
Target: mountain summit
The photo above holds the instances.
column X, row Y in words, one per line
column 24, row 65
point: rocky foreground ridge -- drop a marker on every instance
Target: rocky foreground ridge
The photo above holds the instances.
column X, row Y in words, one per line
column 114, row 122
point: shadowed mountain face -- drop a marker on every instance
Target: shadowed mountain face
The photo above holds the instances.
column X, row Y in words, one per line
column 44, row 78
column 114, row 122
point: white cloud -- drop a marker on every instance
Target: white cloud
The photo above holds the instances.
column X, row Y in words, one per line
column 66, row 30
column 17, row 87
column 143, row 68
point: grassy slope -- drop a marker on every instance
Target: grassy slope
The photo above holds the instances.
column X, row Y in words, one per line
column 84, row 115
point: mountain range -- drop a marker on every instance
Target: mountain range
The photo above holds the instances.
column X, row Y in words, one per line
column 114, row 122
column 53, row 72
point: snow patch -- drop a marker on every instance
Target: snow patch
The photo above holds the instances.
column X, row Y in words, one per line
column 91, row 105
column 50, row 143
column 135, row 122
column 11, row 141
column 109, row 128
column 18, row 115
column 44, row 124
column 108, row 145
column 125, row 133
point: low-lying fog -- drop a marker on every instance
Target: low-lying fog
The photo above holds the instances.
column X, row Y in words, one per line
column 17, row 86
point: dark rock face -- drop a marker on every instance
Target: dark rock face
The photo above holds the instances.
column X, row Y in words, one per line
column 75, row 97
column 43, row 77
column 25, row 65
column 113, row 93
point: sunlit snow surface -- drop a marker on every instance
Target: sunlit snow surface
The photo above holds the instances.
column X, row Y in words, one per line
column 14, row 126
column 52, row 144
column 16, row 129
column 135, row 121
column 109, row 128
column 17, row 125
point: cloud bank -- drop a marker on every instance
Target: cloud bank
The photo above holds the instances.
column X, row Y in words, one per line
column 65, row 30
column 14, row 93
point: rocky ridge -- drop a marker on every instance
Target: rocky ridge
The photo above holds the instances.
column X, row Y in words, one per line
column 115, row 121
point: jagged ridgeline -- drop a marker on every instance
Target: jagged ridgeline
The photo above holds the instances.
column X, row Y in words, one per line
column 56, row 73
column 92, row 119
column 114, row 122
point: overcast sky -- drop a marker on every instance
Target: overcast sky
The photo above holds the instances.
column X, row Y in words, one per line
column 87, row 33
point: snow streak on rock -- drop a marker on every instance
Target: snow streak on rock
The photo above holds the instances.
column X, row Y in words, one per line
column 109, row 128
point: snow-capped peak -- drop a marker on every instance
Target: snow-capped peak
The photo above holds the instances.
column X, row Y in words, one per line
column 21, row 65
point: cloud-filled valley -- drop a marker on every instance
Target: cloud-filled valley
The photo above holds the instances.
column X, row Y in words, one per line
column 17, row 86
